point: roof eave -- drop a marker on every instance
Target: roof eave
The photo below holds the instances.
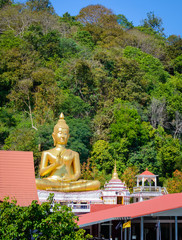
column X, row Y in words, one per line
column 104, row 220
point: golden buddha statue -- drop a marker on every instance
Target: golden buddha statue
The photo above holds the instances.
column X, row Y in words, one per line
column 60, row 167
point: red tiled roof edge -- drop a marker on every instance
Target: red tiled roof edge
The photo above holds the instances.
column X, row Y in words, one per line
column 155, row 205
column 147, row 173
column 99, row 207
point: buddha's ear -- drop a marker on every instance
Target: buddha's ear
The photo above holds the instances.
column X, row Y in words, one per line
column 68, row 133
column 53, row 136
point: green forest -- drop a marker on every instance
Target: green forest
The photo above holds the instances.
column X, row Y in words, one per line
column 118, row 85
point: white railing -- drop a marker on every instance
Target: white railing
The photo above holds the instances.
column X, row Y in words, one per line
column 150, row 189
column 82, row 208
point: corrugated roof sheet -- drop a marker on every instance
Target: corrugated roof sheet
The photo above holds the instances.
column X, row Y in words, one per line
column 134, row 210
column 17, row 177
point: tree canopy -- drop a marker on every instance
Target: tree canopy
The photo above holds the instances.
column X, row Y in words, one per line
column 46, row 221
column 119, row 86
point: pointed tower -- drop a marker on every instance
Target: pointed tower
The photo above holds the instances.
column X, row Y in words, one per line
column 115, row 191
column 115, row 174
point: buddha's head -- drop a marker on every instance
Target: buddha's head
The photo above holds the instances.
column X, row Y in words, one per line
column 61, row 131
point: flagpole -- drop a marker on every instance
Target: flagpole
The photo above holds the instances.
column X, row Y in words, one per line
column 158, row 230
column 141, row 228
column 120, row 225
column 176, row 227
column 125, row 233
column 121, row 232
column 160, row 233
column 130, row 233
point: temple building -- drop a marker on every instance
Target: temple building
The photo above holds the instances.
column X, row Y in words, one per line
column 102, row 212
column 155, row 219
column 79, row 201
column 114, row 192
column 147, row 187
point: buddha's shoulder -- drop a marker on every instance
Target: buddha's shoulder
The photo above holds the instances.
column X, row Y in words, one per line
column 49, row 152
column 69, row 151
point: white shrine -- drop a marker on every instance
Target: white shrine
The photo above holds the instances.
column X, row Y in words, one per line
column 147, row 187
column 115, row 191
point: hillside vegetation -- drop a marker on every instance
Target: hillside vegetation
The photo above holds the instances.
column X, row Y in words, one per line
column 118, row 85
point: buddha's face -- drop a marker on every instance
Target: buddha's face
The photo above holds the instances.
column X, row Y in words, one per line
column 60, row 136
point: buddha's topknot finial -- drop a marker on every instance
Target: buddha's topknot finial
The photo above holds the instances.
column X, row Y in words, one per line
column 61, row 116
column 115, row 174
column 61, row 123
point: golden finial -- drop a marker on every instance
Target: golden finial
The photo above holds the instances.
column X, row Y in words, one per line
column 115, row 174
column 61, row 116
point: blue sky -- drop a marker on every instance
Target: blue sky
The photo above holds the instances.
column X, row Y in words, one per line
column 135, row 10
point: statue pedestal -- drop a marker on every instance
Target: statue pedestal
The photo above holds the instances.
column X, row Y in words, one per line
column 93, row 197
column 78, row 201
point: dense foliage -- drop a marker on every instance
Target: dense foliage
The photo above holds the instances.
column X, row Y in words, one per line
column 46, row 221
column 119, row 86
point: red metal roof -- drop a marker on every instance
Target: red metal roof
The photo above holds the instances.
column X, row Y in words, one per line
column 134, row 210
column 99, row 207
column 146, row 172
column 17, row 177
